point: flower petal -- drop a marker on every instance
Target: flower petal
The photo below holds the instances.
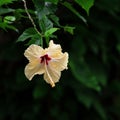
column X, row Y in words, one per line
column 33, row 68
column 33, row 52
column 54, row 46
column 54, row 50
column 51, row 76
column 60, row 63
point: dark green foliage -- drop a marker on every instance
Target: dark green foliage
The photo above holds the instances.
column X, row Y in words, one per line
column 85, row 4
column 90, row 88
column 4, row 2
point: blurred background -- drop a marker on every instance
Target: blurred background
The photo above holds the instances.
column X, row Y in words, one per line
column 89, row 89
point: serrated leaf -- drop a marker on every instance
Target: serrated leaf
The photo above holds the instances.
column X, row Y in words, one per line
column 28, row 33
column 83, row 74
column 55, row 19
column 72, row 9
column 35, row 39
column 86, row 99
column 40, row 8
column 45, row 24
column 69, row 29
column 3, row 2
column 101, row 111
column 6, row 10
column 80, row 67
column 44, row 8
column 85, row 4
column 118, row 47
column 6, row 26
column 39, row 4
column 52, row 1
column 9, row 19
column 49, row 32
column 98, row 70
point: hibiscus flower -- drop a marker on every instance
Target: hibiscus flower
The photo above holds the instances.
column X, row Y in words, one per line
column 49, row 61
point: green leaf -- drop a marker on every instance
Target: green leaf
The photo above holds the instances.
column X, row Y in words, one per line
column 99, row 108
column 6, row 10
column 39, row 4
column 81, row 69
column 72, row 9
column 43, row 8
column 69, row 29
column 83, row 74
column 9, row 19
column 85, row 4
column 86, row 99
column 52, row 1
column 55, row 19
column 118, row 47
column 49, row 32
column 5, row 26
column 35, row 39
column 45, row 24
column 28, row 33
column 3, row 2
column 98, row 69
column 40, row 8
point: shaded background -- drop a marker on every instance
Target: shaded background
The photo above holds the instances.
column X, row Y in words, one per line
column 88, row 90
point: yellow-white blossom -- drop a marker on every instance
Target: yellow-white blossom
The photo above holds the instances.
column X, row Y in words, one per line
column 49, row 61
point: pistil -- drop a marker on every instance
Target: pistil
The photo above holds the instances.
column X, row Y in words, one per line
column 45, row 59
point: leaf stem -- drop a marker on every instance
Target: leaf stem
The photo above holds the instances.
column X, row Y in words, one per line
column 29, row 16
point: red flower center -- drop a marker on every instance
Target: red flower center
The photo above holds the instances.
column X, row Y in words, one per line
column 45, row 59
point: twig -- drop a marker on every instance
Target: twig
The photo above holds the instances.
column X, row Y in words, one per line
column 29, row 16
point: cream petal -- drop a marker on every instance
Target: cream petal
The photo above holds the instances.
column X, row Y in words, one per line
column 54, row 46
column 33, row 52
column 32, row 69
column 59, row 64
column 51, row 76
column 54, row 50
